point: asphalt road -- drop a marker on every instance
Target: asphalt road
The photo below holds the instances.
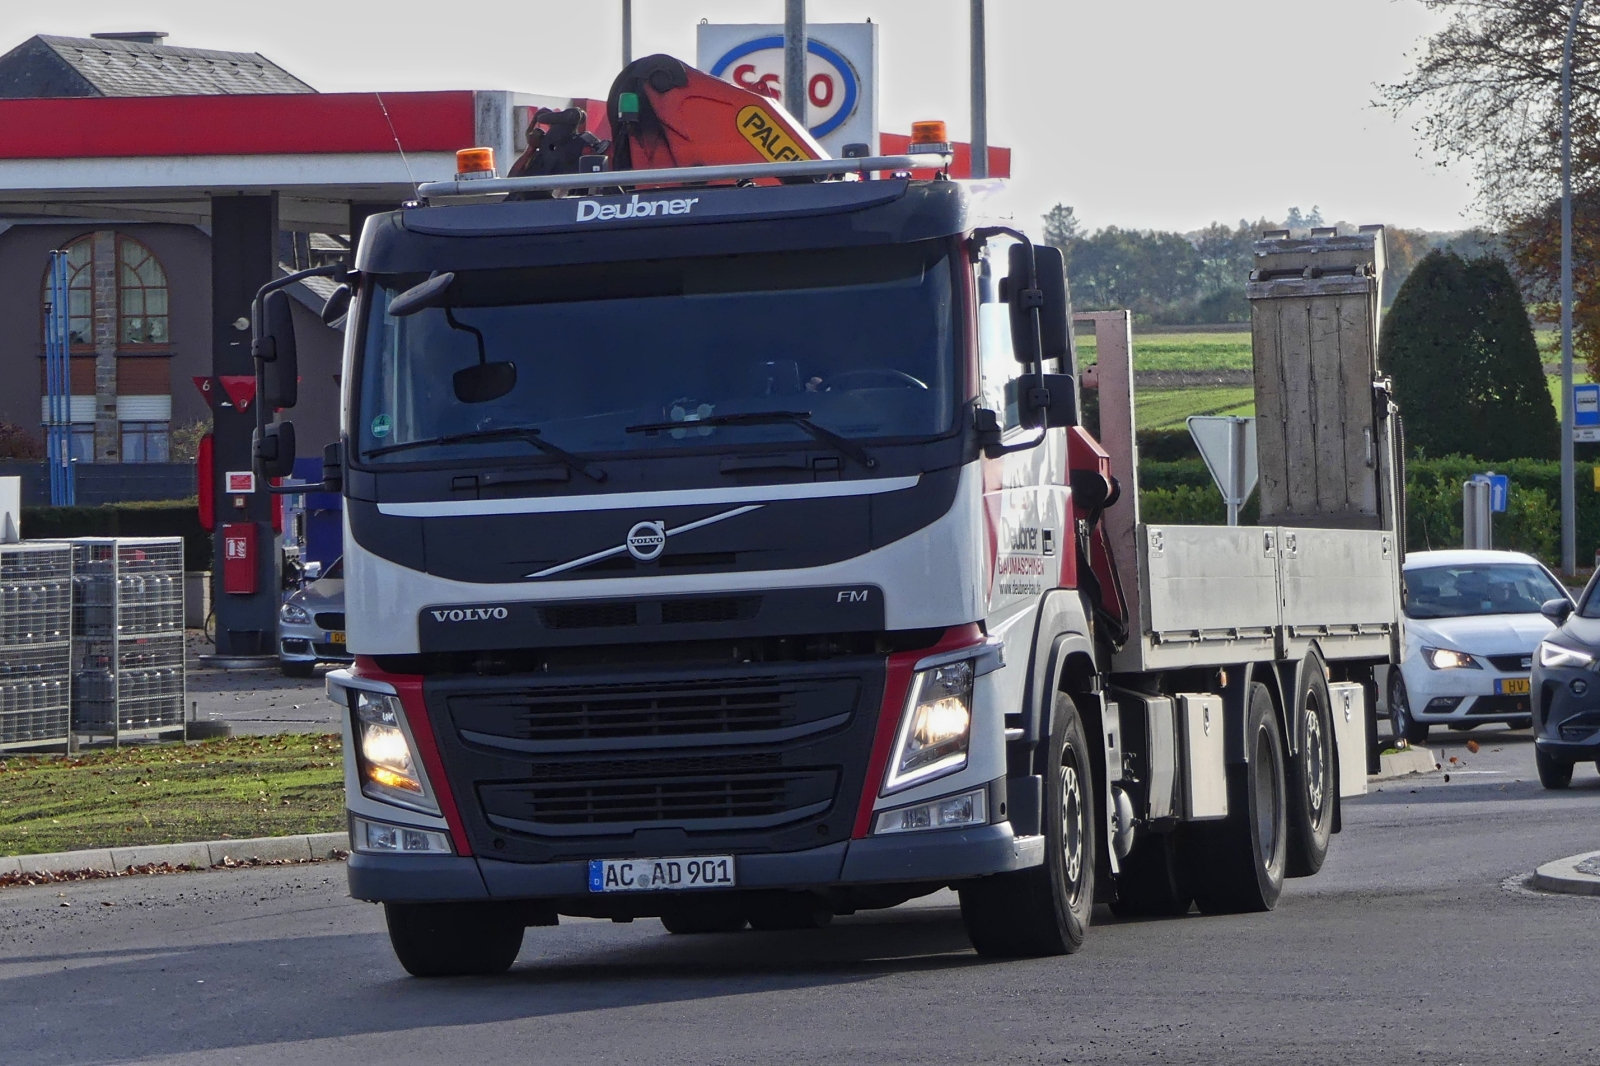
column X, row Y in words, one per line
column 1414, row 945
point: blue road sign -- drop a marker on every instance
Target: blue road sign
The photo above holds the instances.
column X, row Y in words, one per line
column 1586, row 412
column 1499, row 489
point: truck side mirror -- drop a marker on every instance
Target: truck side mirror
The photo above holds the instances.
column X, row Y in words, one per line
column 1047, row 401
column 277, row 360
column 274, row 450
column 337, row 306
column 1051, row 299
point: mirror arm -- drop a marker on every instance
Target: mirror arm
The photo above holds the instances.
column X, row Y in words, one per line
column 483, row 351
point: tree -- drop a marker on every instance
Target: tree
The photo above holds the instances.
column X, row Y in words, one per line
column 1299, row 224
column 1061, row 227
column 18, row 443
column 1465, row 365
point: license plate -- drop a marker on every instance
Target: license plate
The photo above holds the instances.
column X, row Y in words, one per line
column 1512, row 686
column 335, row 638
column 658, row 875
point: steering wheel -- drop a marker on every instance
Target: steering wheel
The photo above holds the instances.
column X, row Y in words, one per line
column 883, row 376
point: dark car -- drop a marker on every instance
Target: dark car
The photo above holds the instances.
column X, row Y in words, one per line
column 1566, row 688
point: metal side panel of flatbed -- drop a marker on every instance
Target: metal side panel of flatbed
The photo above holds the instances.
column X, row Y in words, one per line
column 1214, row 595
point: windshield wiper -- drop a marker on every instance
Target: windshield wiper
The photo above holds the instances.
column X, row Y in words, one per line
column 529, row 434
column 800, row 419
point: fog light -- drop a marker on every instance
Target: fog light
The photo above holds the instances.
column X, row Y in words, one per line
column 1578, row 686
column 969, row 808
column 1442, row 704
column 379, row 837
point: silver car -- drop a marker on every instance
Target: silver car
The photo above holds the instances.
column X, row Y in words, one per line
column 311, row 625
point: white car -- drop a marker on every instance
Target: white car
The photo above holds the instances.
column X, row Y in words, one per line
column 1472, row 624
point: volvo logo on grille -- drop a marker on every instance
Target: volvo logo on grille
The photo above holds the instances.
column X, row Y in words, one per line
column 470, row 614
column 646, row 540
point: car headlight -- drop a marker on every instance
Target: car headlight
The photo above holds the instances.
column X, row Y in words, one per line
column 389, row 767
column 1449, row 659
column 935, row 728
column 294, row 614
column 1559, row 655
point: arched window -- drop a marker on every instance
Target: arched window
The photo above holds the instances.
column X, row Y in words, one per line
column 80, row 292
column 141, row 295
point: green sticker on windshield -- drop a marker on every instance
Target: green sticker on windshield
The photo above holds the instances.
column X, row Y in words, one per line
column 381, row 426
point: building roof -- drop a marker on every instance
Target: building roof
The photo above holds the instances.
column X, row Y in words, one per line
column 46, row 66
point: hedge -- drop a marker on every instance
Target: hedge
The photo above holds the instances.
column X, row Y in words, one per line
column 135, row 518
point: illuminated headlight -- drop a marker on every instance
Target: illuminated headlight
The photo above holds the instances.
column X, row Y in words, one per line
column 390, row 769
column 1448, row 659
column 377, row 836
column 969, row 808
column 936, row 726
column 294, row 614
column 1557, row 655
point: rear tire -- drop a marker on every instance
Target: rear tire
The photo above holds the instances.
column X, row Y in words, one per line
column 1044, row 910
column 1152, row 882
column 1405, row 727
column 704, row 918
column 296, row 668
column 1311, row 793
column 1554, row 773
column 1238, row 863
column 454, row 939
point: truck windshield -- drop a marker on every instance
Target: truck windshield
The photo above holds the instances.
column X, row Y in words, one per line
column 1478, row 588
column 860, row 340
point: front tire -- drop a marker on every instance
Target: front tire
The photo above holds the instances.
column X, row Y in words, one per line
column 1238, row 863
column 1311, row 795
column 1554, row 773
column 1044, row 910
column 454, row 939
column 1405, row 727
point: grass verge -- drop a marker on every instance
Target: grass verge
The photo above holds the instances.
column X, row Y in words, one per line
column 170, row 793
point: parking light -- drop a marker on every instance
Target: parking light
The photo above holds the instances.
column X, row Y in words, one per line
column 367, row 835
column 936, row 727
column 1558, row 655
column 1449, row 659
column 969, row 808
column 390, row 769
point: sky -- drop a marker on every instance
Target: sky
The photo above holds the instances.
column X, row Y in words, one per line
column 1146, row 114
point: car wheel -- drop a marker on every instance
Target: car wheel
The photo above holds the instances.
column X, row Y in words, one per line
column 297, row 668
column 1554, row 773
column 1404, row 726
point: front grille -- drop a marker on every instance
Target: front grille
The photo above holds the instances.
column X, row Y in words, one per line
column 333, row 620
column 331, row 651
column 725, row 791
column 1500, row 705
column 706, row 708
column 590, row 615
column 723, row 609
column 1511, row 663
column 1580, row 726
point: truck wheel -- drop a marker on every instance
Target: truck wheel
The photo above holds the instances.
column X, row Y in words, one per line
column 1044, row 910
column 1151, row 883
column 1401, row 723
column 1238, row 862
column 454, row 939
column 704, row 917
column 1311, row 796
column 1554, row 773
column 788, row 910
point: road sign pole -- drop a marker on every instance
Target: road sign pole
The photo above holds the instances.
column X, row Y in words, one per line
column 1569, row 494
column 795, row 47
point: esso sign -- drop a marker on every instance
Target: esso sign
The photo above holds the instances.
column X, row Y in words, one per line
column 832, row 87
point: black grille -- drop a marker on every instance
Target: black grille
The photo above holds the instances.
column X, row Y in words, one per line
column 1501, row 705
column 330, row 620
column 590, row 615
column 1511, row 663
column 331, row 651
column 707, row 707
column 725, row 609
column 1580, row 726
column 688, row 793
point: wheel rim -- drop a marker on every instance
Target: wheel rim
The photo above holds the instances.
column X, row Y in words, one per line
column 1399, row 708
column 1266, row 796
column 1316, row 758
column 1072, row 827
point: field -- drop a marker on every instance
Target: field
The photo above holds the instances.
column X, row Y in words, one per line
column 1167, row 408
column 1181, row 351
column 240, row 787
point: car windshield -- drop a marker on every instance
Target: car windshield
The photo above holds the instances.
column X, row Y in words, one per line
column 1478, row 588
column 861, row 342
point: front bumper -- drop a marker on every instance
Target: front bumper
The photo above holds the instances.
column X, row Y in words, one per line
column 941, row 855
column 1567, row 722
column 309, row 644
column 1465, row 697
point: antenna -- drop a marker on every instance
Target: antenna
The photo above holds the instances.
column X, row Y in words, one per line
column 398, row 146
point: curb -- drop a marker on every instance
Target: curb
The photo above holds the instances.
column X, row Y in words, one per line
column 1570, row 875
column 204, row 854
column 1404, row 763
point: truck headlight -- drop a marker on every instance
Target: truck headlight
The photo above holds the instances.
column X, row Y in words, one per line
column 294, row 614
column 367, row 835
column 389, row 768
column 1449, row 659
column 1559, row 655
column 935, row 728
column 969, row 808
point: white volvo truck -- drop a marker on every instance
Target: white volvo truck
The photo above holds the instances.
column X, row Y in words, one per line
column 734, row 554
